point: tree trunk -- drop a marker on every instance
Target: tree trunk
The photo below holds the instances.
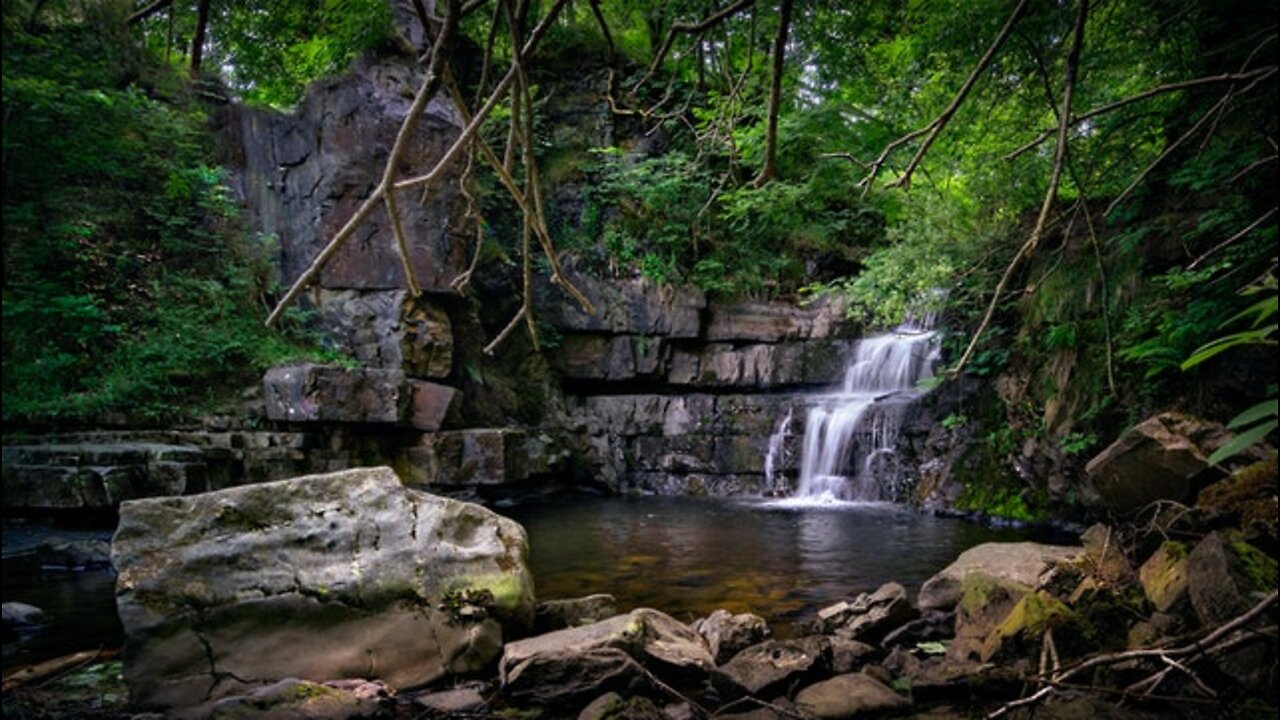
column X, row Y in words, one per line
column 775, row 97
column 197, row 41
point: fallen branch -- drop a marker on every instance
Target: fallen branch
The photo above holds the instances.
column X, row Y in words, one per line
column 1159, row 90
column 935, row 127
column 56, row 667
column 1218, row 640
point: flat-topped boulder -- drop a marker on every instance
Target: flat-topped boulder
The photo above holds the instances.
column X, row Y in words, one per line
column 321, row 577
column 309, row 392
column 1022, row 563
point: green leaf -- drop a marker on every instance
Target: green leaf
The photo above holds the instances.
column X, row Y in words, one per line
column 1268, row 408
column 1242, row 442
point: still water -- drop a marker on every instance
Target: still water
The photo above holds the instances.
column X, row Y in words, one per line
column 689, row 556
column 684, row 556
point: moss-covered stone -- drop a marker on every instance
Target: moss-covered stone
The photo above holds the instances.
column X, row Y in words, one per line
column 1025, row 625
column 1164, row 575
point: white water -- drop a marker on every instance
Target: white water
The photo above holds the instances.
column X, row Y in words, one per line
column 849, row 451
column 774, row 455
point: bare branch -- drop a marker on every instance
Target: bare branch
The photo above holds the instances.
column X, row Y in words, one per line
column 935, row 127
column 148, row 11
column 604, row 26
column 1250, row 228
column 1159, row 90
column 1051, row 193
column 690, row 29
column 430, row 85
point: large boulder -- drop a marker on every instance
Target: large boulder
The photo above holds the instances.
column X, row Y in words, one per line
column 1226, row 576
column 565, row 665
column 348, row 574
column 1022, row 563
column 1157, row 459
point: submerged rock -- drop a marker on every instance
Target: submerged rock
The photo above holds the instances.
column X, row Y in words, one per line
column 1022, row 563
column 324, row 576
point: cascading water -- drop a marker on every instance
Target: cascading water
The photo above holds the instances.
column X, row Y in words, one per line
column 777, row 446
column 848, row 451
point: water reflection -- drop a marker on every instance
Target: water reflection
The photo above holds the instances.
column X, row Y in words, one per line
column 689, row 556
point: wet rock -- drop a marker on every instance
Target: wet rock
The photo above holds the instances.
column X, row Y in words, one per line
column 1155, row 460
column 1164, row 575
column 100, row 474
column 850, row 696
column 985, row 602
column 849, row 655
column 1103, row 557
column 553, row 615
column 371, row 578
column 294, row 699
column 612, row 706
column 932, row 627
column 1021, row 631
column 20, row 617
column 537, row 666
column 727, row 634
column 874, row 615
column 1225, row 576
column 568, row 676
column 1021, row 563
column 764, row 669
column 457, row 700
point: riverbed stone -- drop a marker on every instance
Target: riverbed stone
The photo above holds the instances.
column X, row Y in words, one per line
column 1022, row 563
column 455, row 700
column 322, row 576
column 727, row 634
column 985, row 602
column 612, row 706
column 765, row 668
column 551, row 615
column 534, row 667
column 295, row 699
column 853, row 695
column 568, row 676
column 874, row 615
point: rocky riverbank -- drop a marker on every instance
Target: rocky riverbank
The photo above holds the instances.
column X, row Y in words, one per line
column 348, row 595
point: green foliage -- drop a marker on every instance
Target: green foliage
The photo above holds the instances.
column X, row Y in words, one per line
column 955, row 421
column 129, row 285
column 1076, row 443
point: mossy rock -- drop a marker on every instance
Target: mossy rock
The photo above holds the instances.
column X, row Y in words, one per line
column 1164, row 575
column 1022, row 630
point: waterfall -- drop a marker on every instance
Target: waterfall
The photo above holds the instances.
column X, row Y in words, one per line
column 850, row 435
column 774, row 454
